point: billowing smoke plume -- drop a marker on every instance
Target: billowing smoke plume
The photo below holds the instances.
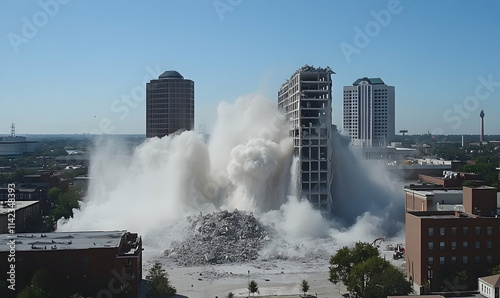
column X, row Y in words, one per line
column 247, row 165
column 362, row 186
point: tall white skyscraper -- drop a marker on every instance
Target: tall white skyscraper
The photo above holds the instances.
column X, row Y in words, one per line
column 369, row 112
column 306, row 99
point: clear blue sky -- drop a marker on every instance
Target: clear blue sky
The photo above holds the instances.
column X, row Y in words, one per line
column 65, row 69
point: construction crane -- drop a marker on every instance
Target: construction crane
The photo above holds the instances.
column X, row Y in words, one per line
column 374, row 243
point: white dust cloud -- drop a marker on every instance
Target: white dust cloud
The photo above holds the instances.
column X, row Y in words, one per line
column 246, row 165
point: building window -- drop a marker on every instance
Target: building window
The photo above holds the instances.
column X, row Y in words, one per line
column 441, row 231
column 431, row 245
column 465, row 260
column 431, row 231
column 489, row 244
column 489, row 230
column 478, row 231
column 441, row 245
column 489, row 259
column 465, row 231
column 453, row 260
column 453, row 245
column 441, row 260
column 430, row 260
column 478, row 245
column 454, row 231
column 477, row 259
column 465, row 245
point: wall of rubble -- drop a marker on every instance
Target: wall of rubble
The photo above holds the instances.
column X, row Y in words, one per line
column 220, row 238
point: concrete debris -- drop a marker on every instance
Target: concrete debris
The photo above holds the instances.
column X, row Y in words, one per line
column 220, row 238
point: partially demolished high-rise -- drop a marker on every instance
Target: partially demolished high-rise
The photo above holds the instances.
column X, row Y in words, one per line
column 306, row 100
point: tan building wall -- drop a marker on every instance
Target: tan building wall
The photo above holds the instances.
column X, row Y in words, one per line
column 416, row 202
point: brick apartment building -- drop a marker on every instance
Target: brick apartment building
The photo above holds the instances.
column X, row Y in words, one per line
column 27, row 216
column 441, row 243
column 428, row 199
column 36, row 188
column 90, row 263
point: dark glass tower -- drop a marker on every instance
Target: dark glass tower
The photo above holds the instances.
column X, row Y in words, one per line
column 169, row 104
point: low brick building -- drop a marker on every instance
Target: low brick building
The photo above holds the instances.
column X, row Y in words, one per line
column 27, row 216
column 90, row 263
column 442, row 243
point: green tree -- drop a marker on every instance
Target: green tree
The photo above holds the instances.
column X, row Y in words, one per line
column 304, row 286
column 495, row 270
column 487, row 171
column 52, row 199
column 427, row 286
column 5, row 291
column 53, row 195
column 458, row 277
column 31, row 292
column 342, row 262
column 66, row 202
column 359, row 280
column 160, row 285
column 73, row 173
column 393, row 281
column 253, row 287
column 42, row 279
column 375, row 278
column 469, row 183
column 126, row 291
column 41, row 285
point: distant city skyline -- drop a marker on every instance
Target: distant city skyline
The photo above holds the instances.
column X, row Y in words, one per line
column 81, row 66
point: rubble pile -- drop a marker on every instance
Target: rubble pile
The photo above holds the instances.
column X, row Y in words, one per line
column 220, row 238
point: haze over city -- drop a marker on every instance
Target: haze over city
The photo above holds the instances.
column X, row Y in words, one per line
column 68, row 69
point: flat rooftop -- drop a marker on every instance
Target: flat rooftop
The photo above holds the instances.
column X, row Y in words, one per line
column 435, row 191
column 448, row 215
column 434, row 216
column 4, row 206
column 62, row 240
